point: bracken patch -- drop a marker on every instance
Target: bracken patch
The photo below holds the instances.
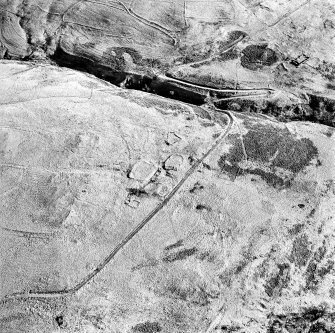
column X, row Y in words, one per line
column 272, row 147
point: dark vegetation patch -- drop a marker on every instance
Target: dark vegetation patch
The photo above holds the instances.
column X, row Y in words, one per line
column 205, row 165
column 330, row 86
column 203, row 207
column 323, row 108
column 319, row 328
column 279, row 281
column 114, row 57
column 206, row 255
column 60, row 321
column 72, row 144
column 297, row 228
column 206, row 124
column 257, row 56
column 310, row 320
column 326, row 269
column 96, row 320
column 235, row 154
column 138, row 192
column 196, row 52
column 228, row 55
column 176, row 291
column 230, row 328
column 330, row 131
column 202, row 113
column 236, row 34
column 228, row 276
column 271, row 178
column 172, row 18
column 301, row 252
column 196, row 188
column 173, row 246
column 312, row 213
column 332, row 292
column 147, row 327
column 243, row 263
column 226, row 50
column 175, row 317
column 263, row 142
column 190, row 294
column 147, row 263
column 315, row 271
column 151, row 63
column 272, row 146
column 181, row 255
column 232, row 169
column 88, row 65
column 327, row 70
column 48, row 193
column 313, row 111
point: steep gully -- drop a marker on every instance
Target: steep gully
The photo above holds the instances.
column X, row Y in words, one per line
column 317, row 109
